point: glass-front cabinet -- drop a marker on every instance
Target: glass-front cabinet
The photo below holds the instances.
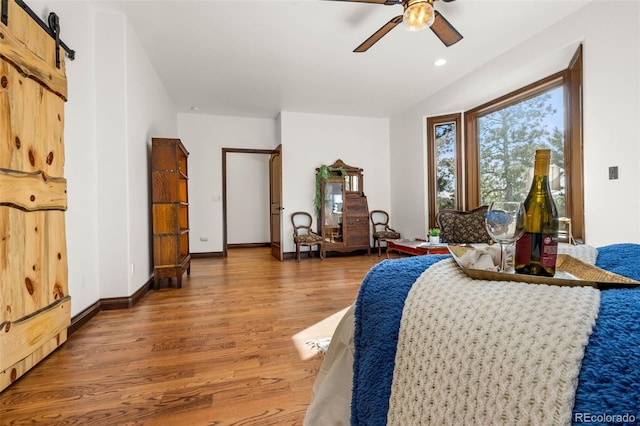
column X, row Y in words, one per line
column 344, row 214
column 333, row 200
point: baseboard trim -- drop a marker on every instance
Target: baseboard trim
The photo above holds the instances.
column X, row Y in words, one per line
column 206, row 254
column 107, row 304
column 248, row 245
column 83, row 317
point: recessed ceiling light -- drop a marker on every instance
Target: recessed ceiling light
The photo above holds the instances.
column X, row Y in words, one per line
column 195, row 108
column 440, row 62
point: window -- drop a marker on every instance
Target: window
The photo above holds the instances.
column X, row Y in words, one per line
column 507, row 139
column 501, row 137
column 445, row 150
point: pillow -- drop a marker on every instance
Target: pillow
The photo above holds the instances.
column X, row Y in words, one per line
column 463, row 227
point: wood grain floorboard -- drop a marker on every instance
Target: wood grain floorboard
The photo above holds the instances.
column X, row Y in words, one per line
column 218, row 351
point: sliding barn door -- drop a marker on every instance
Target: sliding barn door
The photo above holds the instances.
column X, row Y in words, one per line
column 35, row 306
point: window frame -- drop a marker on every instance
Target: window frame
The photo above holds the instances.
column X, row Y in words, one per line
column 432, row 122
column 467, row 157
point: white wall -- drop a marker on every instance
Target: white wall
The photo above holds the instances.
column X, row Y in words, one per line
column 609, row 31
column 248, row 206
column 311, row 140
column 204, row 136
column 112, row 153
column 611, row 120
column 149, row 113
column 77, row 26
column 131, row 107
column 115, row 103
column 308, row 141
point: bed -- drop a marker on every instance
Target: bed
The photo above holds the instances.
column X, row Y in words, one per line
column 563, row 355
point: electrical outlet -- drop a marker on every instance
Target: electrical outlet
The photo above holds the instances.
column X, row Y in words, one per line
column 613, row 172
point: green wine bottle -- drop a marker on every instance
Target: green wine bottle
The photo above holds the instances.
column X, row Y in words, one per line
column 537, row 249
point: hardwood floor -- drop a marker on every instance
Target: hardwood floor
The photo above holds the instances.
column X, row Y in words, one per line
column 218, row 351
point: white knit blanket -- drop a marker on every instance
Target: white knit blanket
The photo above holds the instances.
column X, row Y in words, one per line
column 489, row 353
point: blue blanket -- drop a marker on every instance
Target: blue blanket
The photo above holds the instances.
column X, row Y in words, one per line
column 609, row 382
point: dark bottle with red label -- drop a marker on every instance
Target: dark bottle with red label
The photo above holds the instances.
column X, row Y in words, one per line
column 537, row 249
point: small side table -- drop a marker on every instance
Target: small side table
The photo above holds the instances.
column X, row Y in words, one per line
column 416, row 247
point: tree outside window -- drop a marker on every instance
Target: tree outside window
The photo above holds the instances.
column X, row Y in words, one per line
column 444, row 150
column 508, row 139
column 445, row 165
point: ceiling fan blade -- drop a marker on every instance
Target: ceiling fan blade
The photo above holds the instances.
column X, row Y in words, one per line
column 387, row 2
column 378, row 34
column 444, row 30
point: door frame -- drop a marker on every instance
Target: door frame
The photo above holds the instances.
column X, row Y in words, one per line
column 226, row 151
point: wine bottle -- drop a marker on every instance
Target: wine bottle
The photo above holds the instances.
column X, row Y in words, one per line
column 537, row 249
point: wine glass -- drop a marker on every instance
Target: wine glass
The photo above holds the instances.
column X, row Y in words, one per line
column 505, row 224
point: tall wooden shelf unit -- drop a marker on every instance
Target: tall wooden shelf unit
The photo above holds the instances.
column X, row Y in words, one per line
column 344, row 213
column 170, row 199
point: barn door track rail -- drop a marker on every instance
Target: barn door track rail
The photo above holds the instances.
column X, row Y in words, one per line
column 52, row 28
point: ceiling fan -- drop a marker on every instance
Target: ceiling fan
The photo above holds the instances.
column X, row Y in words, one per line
column 418, row 14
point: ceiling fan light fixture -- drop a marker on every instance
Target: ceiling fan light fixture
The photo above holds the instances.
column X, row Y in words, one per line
column 418, row 15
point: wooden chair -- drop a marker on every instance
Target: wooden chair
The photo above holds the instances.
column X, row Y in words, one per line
column 304, row 236
column 463, row 227
column 381, row 229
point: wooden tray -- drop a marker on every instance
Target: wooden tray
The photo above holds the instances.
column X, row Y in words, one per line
column 569, row 272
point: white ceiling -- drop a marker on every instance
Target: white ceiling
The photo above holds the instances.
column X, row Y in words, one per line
column 257, row 58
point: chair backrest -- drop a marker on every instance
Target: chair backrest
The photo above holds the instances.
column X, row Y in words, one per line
column 301, row 222
column 463, row 227
column 379, row 220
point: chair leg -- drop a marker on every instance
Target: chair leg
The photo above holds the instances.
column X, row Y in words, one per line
column 321, row 251
column 379, row 244
column 298, row 252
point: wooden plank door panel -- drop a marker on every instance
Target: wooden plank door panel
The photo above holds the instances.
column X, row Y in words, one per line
column 275, row 185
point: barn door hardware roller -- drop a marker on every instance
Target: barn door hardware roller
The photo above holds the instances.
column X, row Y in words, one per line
column 4, row 13
column 53, row 27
